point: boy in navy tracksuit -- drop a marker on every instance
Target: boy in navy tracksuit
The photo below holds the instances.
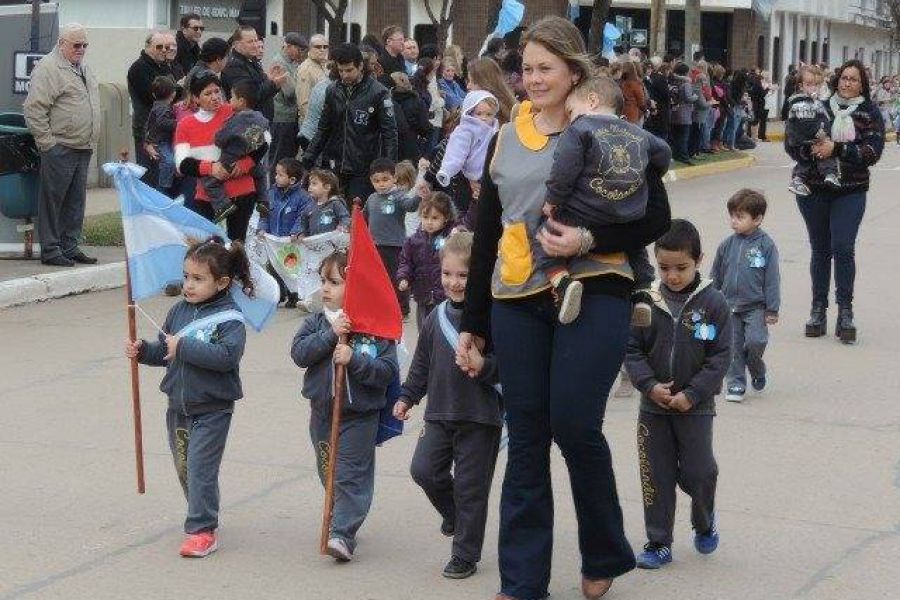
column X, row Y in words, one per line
column 287, row 201
column 678, row 364
column 385, row 212
column 746, row 271
column 463, row 417
column 371, row 365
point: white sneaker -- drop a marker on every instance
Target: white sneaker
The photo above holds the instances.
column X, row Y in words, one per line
column 337, row 548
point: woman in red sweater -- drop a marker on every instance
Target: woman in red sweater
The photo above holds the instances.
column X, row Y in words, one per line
column 197, row 155
column 633, row 90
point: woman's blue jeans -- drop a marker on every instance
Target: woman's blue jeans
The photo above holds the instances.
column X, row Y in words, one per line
column 832, row 223
column 556, row 379
column 732, row 126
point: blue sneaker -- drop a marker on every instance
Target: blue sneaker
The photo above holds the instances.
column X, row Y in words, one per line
column 706, row 543
column 735, row 393
column 654, row 556
column 758, row 383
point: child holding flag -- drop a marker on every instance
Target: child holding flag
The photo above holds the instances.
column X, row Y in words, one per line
column 371, row 365
column 201, row 344
column 463, row 418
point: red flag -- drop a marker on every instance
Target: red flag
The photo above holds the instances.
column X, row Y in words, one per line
column 369, row 299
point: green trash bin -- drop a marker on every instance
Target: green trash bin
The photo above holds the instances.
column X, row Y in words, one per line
column 19, row 164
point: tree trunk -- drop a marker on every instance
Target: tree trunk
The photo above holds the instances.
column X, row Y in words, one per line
column 598, row 20
column 333, row 13
column 657, row 41
column 441, row 21
column 692, row 32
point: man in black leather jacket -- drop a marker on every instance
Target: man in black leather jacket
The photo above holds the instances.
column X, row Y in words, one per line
column 243, row 65
column 356, row 127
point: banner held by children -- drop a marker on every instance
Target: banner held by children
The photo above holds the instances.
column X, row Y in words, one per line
column 297, row 263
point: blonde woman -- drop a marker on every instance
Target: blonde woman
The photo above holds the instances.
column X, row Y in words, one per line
column 556, row 378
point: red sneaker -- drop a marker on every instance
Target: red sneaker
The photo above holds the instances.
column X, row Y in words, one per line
column 198, row 545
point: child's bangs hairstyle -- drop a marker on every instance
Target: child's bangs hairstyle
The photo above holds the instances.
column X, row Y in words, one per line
column 459, row 244
column 492, row 102
column 406, row 174
column 335, row 260
column 681, row 237
column 382, row 165
column 813, row 71
column 747, row 201
column 292, row 167
column 222, row 262
column 608, row 92
column 438, row 202
column 328, row 178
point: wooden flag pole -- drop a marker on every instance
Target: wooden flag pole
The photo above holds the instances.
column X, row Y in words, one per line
column 135, row 381
column 135, row 389
column 328, row 509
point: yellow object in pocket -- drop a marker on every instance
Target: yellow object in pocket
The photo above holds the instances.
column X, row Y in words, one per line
column 515, row 254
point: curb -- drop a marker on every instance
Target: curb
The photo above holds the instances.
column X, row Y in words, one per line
column 48, row 286
column 715, row 168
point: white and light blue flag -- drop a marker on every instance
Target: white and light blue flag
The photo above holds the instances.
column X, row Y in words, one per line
column 157, row 230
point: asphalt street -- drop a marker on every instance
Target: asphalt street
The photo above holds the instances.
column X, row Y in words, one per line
column 809, row 486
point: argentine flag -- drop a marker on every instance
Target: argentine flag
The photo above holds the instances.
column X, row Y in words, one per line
column 157, row 229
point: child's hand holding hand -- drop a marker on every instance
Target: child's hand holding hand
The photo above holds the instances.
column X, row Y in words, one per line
column 475, row 362
column 547, row 210
column 132, row 349
column 403, row 285
column 476, row 188
column 401, row 410
column 680, row 402
column 424, row 163
column 661, row 394
column 171, row 347
column 771, row 318
column 342, row 354
column 341, row 325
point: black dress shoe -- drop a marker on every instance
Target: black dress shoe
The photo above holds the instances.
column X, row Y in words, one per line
column 58, row 261
column 80, row 257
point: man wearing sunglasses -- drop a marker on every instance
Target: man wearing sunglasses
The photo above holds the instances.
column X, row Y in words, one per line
column 150, row 64
column 312, row 70
column 62, row 111
column 188, row 41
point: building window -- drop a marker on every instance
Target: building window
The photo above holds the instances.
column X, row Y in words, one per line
column 826, row 51
column 761, row 52
column 776, row 59
column 425, row 34
column 846, row 54
column 355, row 32
column 803, row 51
column 814, row 52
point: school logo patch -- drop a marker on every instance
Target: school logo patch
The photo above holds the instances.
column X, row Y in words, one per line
column 365, row 345
column 439, row 243
column 696, row 322
column 360, row 117
column 621, row 169
column 755, row 258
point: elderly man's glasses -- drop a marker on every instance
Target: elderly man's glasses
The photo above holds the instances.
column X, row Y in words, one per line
column 165, row 46
column 320, row 46
column 77, row 45
column 198, row 27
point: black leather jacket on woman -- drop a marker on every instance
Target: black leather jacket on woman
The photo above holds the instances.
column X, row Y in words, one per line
column 356, row 127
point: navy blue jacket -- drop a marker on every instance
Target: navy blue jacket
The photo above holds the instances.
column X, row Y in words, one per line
column 204, row 376
column 285, row 208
